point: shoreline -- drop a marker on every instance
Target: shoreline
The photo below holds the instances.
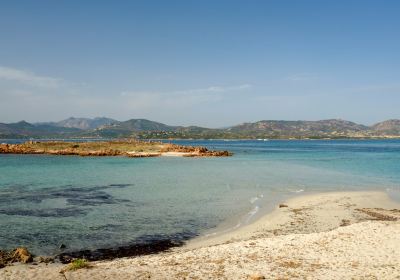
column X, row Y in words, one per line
column 271, row 219
column 96, row 139
column 301, row 220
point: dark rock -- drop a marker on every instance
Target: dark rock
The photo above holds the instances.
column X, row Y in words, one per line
column 43, row 259
column 62, row 246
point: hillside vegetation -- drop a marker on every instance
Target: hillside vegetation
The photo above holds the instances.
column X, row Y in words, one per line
column 146, row 129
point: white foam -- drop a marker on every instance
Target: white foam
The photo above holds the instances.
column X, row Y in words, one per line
column 253, row 199
column 238, row 225
column 298, row 191
column 252, row 213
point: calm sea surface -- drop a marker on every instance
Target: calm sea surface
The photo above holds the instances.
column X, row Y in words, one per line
column 100, row 202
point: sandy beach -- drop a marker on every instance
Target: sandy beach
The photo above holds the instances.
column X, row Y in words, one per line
column 338, row 235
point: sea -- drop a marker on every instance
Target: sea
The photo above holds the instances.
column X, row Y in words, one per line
column 104, row 202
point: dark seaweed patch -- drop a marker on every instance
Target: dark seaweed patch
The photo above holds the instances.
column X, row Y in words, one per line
column 74, row 196
column 147, row 244
column 120, row 185
column 52, row 212
column 107, row 227
column 67, row 192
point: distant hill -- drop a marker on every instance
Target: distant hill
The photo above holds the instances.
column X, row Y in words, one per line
column 146, row 129
column 287, row 129
column 24, row 129
column 388, row 127
column 82, row 123
column 130, row 128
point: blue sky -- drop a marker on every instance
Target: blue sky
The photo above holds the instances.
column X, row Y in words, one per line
column 211, row 63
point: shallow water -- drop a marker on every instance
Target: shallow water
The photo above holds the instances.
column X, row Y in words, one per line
column 97, row 202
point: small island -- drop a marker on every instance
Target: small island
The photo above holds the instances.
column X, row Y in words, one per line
column 128, row 148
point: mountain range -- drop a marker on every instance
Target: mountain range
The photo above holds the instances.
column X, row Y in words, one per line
column 146, row 129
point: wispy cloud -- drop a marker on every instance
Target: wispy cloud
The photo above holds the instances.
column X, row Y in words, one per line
column 379, row 89
column 217, row 89
column 180, row 98
column 206, row 90
column 44, row 98
column 29, row 78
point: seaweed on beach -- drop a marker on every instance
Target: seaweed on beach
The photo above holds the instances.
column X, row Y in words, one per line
column 144, row 245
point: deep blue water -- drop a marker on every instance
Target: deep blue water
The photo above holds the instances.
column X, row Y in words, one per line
column 96, row 202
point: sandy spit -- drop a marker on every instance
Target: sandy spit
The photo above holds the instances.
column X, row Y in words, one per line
column 347, row 235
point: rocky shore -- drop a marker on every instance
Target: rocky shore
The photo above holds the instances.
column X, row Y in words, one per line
column 132, row 148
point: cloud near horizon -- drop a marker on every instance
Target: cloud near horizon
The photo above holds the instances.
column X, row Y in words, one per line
column 180, row 98
column 29, row 78
column 35, row 97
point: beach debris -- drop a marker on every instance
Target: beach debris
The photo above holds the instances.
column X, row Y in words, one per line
column 344, row 223
column 77, row 264
column 282, row 205
column 381, row 214
column 43, row 259
column 256, row 276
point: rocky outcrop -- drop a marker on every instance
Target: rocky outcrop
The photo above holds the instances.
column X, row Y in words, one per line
column 17, row 149
column 112, row 148
column 20, row 254
column 191, row 151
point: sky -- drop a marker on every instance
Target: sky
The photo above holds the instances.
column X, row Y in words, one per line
column 210, row 63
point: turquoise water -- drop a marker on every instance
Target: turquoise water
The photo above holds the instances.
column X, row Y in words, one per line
column 100, row 202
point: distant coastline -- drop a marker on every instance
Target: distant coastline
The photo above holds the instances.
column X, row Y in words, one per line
column 105, row 128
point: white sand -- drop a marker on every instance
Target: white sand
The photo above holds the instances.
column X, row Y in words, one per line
column 302, row 241
column 162, row 154
column 176, row 154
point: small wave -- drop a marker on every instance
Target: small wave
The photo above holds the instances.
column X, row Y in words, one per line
column 252, row 213
column 253, row 199
column 210, row 234
column 238, row 225
column 298, row 191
